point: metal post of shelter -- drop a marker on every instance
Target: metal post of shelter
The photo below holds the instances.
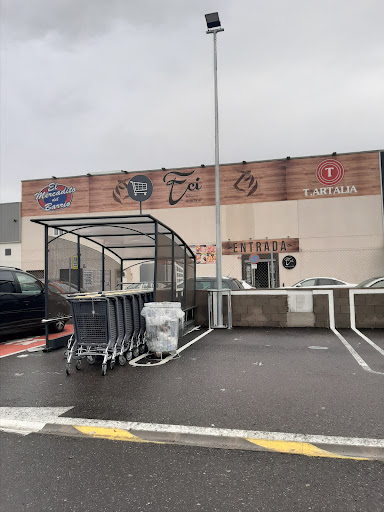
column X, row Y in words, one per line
column 155, row 269
column 185, row 279
column 173, row 269
column 78, row 264
column 103, row 268
column 46, row 270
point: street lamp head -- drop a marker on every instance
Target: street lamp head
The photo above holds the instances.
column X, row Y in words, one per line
column 213, row 20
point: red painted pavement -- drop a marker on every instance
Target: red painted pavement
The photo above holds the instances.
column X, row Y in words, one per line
column 9, row 348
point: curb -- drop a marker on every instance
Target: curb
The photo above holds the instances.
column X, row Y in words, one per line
column 274, row 442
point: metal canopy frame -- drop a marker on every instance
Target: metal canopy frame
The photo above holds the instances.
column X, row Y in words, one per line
column 127, row 238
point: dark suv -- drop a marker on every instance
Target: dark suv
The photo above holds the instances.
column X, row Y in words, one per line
column 22, row 304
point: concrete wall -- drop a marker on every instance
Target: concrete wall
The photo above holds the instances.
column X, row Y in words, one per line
column 293, row 308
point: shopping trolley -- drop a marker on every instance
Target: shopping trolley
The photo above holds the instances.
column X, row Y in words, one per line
column 125, row 324
column 126, row 350
column 139, row 187
column 96, row 330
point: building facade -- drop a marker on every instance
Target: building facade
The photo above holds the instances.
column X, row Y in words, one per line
column 281, row 220
column 10, row 233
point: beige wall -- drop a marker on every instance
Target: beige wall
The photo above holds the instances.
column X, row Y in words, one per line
column 14, row 260
column 339, row 236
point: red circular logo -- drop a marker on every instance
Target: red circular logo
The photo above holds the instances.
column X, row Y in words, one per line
column 330, row 172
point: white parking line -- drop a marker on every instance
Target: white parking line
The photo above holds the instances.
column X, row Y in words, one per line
column 352, row 311
column 350, row 349
column 172, row 356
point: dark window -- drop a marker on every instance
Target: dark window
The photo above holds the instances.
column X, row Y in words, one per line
column 7, row 284
column 8, row 252
column 28, row 284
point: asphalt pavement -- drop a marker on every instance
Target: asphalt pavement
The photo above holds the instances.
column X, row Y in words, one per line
column 296, row 381
column 41, row 473
column 277, row 380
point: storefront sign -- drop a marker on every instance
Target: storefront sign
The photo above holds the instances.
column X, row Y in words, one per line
column 54, row 197
column 330, row 173
column 180, row 183
column 139, row 188
column 246, row 183
column 261, row 246
column 309, row 178
column 204, row 253
column 289, row 262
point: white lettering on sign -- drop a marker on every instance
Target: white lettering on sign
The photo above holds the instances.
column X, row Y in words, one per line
column 330, row 191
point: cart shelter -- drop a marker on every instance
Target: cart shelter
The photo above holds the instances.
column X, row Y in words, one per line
column 90, row 254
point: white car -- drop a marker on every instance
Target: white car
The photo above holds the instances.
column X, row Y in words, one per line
column 322, row 282
column 373, row 282
column 246, row 285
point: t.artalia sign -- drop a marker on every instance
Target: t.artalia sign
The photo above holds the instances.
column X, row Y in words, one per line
column 330, row 173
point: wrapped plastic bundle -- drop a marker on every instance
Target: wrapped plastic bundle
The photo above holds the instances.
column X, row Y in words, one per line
column 162, row 325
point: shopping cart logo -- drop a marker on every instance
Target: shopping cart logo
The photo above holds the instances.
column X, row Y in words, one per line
column 139, row 187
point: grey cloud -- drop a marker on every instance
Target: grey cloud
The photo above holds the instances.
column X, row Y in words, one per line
column 83, row 19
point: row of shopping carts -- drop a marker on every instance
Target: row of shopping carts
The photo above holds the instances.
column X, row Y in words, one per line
column 107, row 326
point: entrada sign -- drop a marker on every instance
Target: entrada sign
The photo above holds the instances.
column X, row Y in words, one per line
column 54, row 197
column 260, row 246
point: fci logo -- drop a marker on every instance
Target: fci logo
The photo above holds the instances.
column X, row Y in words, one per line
column 329, row 172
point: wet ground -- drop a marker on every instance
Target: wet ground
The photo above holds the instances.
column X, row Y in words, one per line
column 280, row 380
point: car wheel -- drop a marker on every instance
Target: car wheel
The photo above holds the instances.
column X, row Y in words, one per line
column 58, row 325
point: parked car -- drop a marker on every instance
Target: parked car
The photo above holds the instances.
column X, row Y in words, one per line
column 321, row 282
column 229, row 283
column 373, row 282
column 63, row 287
column 22, row 303
column 246, row 285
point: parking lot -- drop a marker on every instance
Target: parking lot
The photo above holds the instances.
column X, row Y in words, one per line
column 301, row 381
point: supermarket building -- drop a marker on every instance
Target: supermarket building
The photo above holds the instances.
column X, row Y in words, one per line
column 281, row 220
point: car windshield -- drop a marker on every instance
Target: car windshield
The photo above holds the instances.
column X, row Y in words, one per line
column 366, row 282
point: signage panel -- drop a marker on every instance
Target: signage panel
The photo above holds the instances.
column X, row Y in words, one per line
column 347, row 175
column 279, row 245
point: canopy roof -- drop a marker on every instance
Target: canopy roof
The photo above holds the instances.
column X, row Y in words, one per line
column 128, row 237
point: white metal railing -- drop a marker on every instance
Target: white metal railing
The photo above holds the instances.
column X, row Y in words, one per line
column 214, row 322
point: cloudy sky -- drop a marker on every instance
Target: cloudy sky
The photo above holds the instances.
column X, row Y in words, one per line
column 102, row 85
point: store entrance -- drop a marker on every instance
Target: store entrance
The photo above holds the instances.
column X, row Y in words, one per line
column 264, row 273
column 261, row 275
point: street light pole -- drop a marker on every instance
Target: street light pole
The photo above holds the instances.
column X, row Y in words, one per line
column 214, row 26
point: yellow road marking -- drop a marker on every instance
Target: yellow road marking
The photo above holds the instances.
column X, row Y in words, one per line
column 294, row 447
column 298, row 448
column 115, row 434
